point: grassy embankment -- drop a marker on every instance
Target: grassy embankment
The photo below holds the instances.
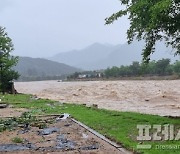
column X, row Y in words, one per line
column 118, row 126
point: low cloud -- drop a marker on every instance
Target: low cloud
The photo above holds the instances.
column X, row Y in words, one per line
column 5, row 4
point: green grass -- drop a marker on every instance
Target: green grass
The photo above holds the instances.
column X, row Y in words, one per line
column 17, row 140
column 118, row 126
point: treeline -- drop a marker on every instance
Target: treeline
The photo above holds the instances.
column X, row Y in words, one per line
column 154, row 68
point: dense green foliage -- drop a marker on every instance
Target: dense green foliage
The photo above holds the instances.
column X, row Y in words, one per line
column 152, row 20
column 158, row 68
column 7, row 61
column 118, row 126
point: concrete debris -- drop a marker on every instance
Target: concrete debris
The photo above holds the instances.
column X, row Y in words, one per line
column 12, row 147
column 85, row 136
column 63, row 116
column 3, row 106
column 95, row 106
column 48, row 131
column 34, row 97
column 63, row 143
column 91, row 147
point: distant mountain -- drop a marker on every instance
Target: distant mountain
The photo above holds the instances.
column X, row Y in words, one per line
column 100, row 56
column 86, row 57
column 37, row 67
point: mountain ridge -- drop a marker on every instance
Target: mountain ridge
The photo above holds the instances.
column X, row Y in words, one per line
column 101, row 56
column 33, row 67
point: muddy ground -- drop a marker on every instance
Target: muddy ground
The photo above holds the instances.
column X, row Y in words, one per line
column 11, row 112
column 152, row 97
column 59, row 136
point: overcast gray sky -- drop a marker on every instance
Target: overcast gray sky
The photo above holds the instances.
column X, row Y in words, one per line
column 42, row 28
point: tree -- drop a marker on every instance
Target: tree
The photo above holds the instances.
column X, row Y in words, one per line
column 148, row 69
column 7, row 61
column 152, row 20
column 135, row 68
column 177, row 67
column 112, row 72
column 163, row 66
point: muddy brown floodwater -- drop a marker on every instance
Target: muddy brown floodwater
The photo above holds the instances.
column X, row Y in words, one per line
column 161, row 97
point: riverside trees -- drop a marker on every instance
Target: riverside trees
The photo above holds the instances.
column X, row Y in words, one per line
column 7, row 61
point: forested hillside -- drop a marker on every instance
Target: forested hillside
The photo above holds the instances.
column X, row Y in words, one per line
column 40, row 69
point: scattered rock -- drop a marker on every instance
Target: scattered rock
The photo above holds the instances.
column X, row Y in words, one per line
column 30, row 146
column 48, row 131
column 95, row 106
column 23, row 131
column 12, row 147
column 26, row 129
column 63, row 143
column 59, row 103
column 91, row 147
column 34, row 97
column 67, row 125
column 63, row 116
column 3, row 106
column 88, row 105
column 75, row 95
column 84, row 136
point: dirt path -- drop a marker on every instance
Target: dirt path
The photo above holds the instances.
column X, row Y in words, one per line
column 153, row 97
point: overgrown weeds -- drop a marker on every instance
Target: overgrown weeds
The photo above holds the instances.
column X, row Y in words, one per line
column 25, row 120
